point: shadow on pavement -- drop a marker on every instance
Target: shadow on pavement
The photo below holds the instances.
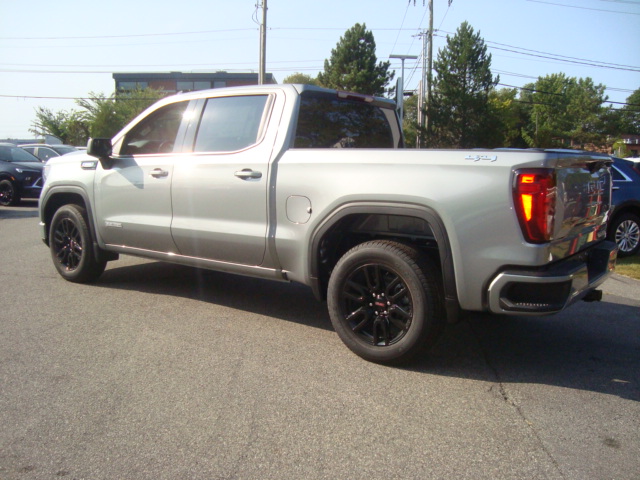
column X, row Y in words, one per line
column 590, row 346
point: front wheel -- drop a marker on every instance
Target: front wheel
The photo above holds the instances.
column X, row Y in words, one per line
column 385, row 301
column 8, row 194
column 71, row 246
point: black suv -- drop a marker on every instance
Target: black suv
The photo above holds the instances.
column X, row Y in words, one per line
column 20, row 175
column 624, row 226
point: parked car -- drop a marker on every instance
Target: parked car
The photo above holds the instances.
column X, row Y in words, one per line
column 20, row 174
column 624, row 226
column 44, row 152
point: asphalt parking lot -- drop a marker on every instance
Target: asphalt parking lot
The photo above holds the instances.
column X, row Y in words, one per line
column 164, row 372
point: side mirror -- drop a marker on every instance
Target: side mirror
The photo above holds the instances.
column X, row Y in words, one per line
column 101, row 148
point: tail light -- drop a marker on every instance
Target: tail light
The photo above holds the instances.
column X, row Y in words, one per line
column 534, row 195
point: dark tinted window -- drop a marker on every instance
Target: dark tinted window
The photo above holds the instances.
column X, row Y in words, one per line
column 330, row 122
column 156, row 133
column 230, row 123
column 616, row 174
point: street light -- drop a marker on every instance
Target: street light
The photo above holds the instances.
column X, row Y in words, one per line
column 400, row 85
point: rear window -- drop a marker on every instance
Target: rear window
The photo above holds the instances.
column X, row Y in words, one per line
column 325, row 121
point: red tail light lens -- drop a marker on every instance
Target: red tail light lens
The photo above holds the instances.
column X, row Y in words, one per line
column 534, row 196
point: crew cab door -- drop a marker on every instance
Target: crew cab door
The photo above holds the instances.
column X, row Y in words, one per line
column 133, row 198
column 219, row 191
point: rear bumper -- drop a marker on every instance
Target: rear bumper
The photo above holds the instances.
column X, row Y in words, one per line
column 550, row 290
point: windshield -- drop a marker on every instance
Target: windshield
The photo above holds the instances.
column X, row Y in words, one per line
column 16, row 154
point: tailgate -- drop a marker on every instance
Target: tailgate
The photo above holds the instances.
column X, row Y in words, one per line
column 582, row 201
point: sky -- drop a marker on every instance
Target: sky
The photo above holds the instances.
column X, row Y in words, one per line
column 54, row 52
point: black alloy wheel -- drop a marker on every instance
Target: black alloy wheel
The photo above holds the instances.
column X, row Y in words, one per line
column 70, row 243
column 8, row 194
column 385, row 301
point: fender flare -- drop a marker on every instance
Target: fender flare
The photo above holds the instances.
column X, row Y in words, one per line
column 82, row 193
column 425, row 213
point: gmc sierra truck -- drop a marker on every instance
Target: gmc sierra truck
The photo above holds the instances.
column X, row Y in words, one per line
column 302, row 184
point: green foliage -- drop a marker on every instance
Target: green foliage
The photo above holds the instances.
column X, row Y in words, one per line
column 410, row 125
column 69, row 127
column 101, row 116
column 563, row 112
column 301, row 78
column 459, row 110
column 352, row 65
column 106, row 116
column 630, row 114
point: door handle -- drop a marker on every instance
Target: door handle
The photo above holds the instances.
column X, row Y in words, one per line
column 158, row 173
column 247, row 174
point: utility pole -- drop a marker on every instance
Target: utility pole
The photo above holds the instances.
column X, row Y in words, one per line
column 427, row 66
column 263, row 45
column 427, row 100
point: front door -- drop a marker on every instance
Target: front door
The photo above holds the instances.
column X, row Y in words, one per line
column 133, row 199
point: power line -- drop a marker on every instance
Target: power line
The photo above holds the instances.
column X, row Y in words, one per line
column 138, row 35
column 556, row 57
column 582, row 8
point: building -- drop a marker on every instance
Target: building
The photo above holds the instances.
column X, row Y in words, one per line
column 173, row 82
column 632, row 143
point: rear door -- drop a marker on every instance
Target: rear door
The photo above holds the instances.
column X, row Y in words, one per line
column 219, row 192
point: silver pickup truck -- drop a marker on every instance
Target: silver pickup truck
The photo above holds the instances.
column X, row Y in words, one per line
column 303, row 184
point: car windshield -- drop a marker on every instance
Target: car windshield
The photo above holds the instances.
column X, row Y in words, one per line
column 15, row 154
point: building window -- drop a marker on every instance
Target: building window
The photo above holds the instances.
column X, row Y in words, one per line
column 189, row 86
column 203, row 85
column 132, row 85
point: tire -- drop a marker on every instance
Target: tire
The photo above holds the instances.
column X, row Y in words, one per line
column 385, row 302
column 625, row 231
column 8, row 194
column 71, row 246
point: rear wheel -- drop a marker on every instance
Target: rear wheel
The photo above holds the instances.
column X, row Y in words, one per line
column 625, row 231
column 8, row 194
column 71, row 246
column 385, row 301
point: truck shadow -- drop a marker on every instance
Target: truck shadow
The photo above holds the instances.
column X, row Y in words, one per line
column 591, row 346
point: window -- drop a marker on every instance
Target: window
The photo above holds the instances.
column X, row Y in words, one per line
column 230, row 123
column 188, row 86
column 617, row 175
column 330, row 122
column 45, row 153
column 132, row 85
column 156, row 133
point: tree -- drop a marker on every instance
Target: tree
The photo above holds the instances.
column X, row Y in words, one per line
column 631, row 114
column 69, row 127
column 106, row 116
column 505, row 120
column 352, row 65
column 459, row 109
column 101, row 116
column 564, row 111
column 301, row 78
